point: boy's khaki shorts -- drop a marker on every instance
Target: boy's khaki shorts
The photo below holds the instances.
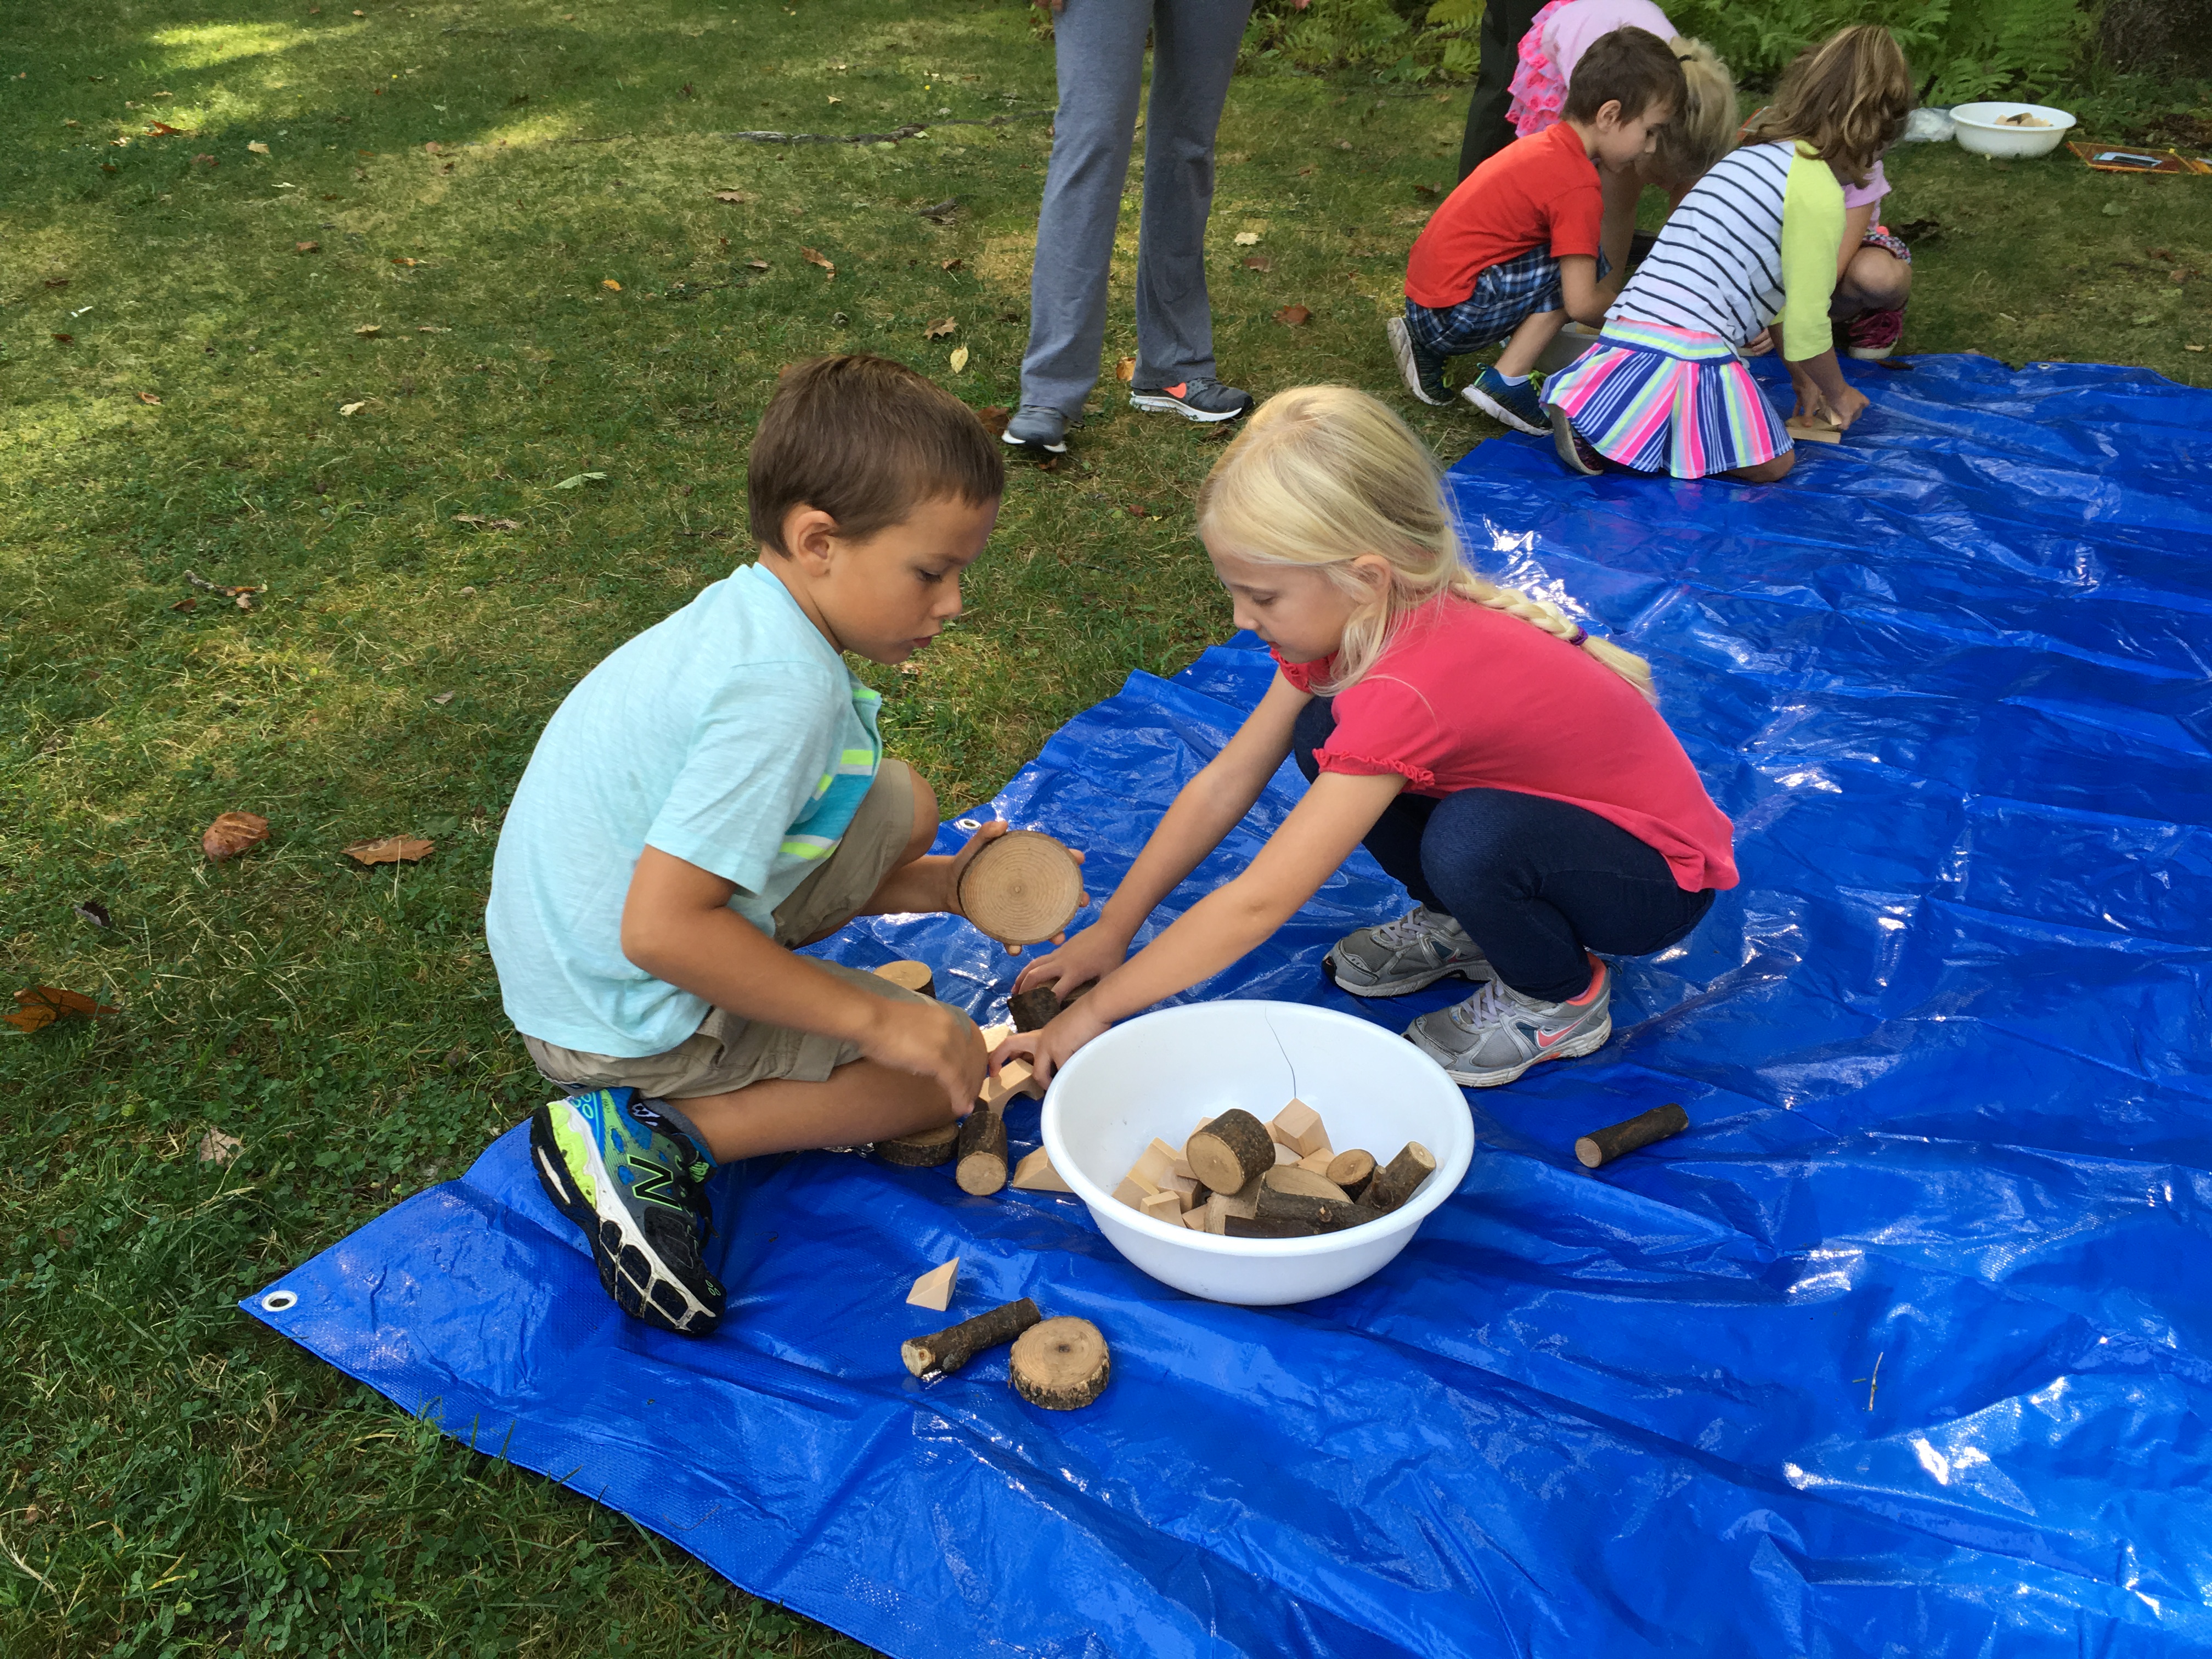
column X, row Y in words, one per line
column 727, row 1052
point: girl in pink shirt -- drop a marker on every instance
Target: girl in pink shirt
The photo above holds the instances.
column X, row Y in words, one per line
column 1510, row 769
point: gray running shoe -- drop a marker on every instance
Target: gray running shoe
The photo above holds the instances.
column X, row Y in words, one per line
column 1423, row 374
column 1497, row 1034
column 1419, row 948
column 1193, row 400
column 1037, row 428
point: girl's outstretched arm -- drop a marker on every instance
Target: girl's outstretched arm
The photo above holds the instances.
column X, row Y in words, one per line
column 1204, row 810
column 1316, row 838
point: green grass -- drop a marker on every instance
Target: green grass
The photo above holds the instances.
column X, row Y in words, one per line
column 178, row 1479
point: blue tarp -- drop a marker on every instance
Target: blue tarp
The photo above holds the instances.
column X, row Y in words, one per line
column 1904, row 1349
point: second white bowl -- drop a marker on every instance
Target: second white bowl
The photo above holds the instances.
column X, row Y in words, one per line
column 1980, row 130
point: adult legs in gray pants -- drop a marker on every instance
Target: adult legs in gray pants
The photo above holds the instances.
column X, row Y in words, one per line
column 1100, row 48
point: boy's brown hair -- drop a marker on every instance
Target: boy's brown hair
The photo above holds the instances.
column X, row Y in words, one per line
column 1846, row 98
column 865, row 441
column 1632, row 67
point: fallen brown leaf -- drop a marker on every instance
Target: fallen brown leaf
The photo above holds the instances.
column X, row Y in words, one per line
column 1344, row 143
column 392, row 850
column 147, row 397
column 1126, row 370
column 1305, row 173
column 57, row 281
column 994, row 419
column 735, row 197
column 401, row 259
column 42, row 1004
column 95, row 912
column 756, row 264
column 958, row 359
column 1427, row 192
column 233, row 834
column 435, row 148
column 1258, row 262
column 188, row 603
column 443, row 698
column 258, row 147
column 163, row 129
column 1293, row 316
column 939, row 329
column 952, row 265
column 610, row 284
column 307, row 247
column 369, row 331
column 482, row 523
column 216, row 1147
column 813, row 257
column 63, row 339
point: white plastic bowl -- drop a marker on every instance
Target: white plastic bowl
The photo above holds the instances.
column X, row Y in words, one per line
column 1978, row 131
column 1156, row 1075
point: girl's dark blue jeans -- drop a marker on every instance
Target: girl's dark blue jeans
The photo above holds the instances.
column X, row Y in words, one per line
column 1536, row 883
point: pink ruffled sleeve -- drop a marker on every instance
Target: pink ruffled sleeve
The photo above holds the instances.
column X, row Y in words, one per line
column 1385, row 725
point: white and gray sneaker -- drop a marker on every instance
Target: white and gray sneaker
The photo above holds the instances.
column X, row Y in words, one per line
column 1418, row 948
column 1497, row 1034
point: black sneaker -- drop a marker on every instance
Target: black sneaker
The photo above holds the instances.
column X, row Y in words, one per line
column 631, row 1180
column 1194, row 400
column 1574, row 449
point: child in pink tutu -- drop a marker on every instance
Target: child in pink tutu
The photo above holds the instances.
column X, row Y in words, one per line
column 1702, row 132
column 1760, row 235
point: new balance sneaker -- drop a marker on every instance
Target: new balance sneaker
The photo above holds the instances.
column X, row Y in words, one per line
column 1035, row 427
column 1873, row 334
column 1518, row 406
column 1423, row 374
column 1575, row 450
column 620, row 1169
column 1418, row 948
column 1497, row 1034
column 1193, row 400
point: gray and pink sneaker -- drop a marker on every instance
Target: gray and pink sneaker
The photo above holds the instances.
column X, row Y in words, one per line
column 1497, row 1034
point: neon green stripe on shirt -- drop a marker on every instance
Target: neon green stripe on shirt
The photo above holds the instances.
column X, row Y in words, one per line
column 1812, row 246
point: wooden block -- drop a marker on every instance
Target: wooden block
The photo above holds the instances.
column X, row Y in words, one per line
column 934, row 1288
column 914, row 976
column 1319, row 1162
column 1195, row 1219
column 1014, row 1078
column 1150, row 1171
column 1221, row 1205
column 1818, row 432
column 1163, row 1206
column 1131, row 1194
column 1035, row 1173
column 1284, row 1154
column 1295, row 1178
column 1181, row 1167
column 1298, row 1126
column 992, row 1036
column 1185, row 1189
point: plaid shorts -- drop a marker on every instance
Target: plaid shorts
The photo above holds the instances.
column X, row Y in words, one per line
column 1505, row 295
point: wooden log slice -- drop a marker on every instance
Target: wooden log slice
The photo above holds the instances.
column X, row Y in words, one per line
column 1292, row 1178
column 981, row 1151
column 1396, row 1183
column 914, row 976
column 921, row 1152
column 1601, row 1146
column 1023, row 887
column 1230, row 1151
column 1034, row 1010
column 1061, row 1364
column 942, row 1352
column 1352, row 1170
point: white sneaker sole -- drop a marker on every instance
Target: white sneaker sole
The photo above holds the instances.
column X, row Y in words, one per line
column 618, row 1234
column 1563, row 440
column 1032, row 446
column 1159, row 405
column 1473, row 972
column 1588, row 1043
column 1497, row 411
column 1402, row 348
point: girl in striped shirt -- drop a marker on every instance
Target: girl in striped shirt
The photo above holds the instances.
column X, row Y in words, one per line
column 1758, row 238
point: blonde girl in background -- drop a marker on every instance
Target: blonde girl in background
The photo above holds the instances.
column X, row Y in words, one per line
column 1509, row 768
column 1761, row 235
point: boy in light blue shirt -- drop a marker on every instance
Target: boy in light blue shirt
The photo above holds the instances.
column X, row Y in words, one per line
column 714, row 794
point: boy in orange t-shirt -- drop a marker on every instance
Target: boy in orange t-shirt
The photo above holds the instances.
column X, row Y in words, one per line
column 1514, row 251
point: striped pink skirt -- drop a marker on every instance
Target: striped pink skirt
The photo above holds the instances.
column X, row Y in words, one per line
column 1662, row 399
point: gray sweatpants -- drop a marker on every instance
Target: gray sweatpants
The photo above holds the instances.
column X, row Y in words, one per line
column 1100, row 48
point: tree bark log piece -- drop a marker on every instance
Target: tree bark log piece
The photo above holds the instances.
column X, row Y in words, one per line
column 1230, row 1151
column 1328, row 1215
column 921, row 1152
column 1061, row 1364
column 1398, row 1181
column 914, row 976
column 1034, row 1010
column 1239, row 1226
column 981, row 1151
column 1601, row 1146
column 1352, row 1170
column 942, row 1352
column 1296, row 1178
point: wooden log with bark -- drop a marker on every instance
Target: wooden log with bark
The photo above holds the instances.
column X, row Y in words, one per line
column 1230, row 1151
column 921, row 1150
column 942, row 1352
column 1396, row 1183
column 981, row 1151
column 1601, row 1146
column 1061, row 1364
column 1034, row 1010
column 1352, row 1170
